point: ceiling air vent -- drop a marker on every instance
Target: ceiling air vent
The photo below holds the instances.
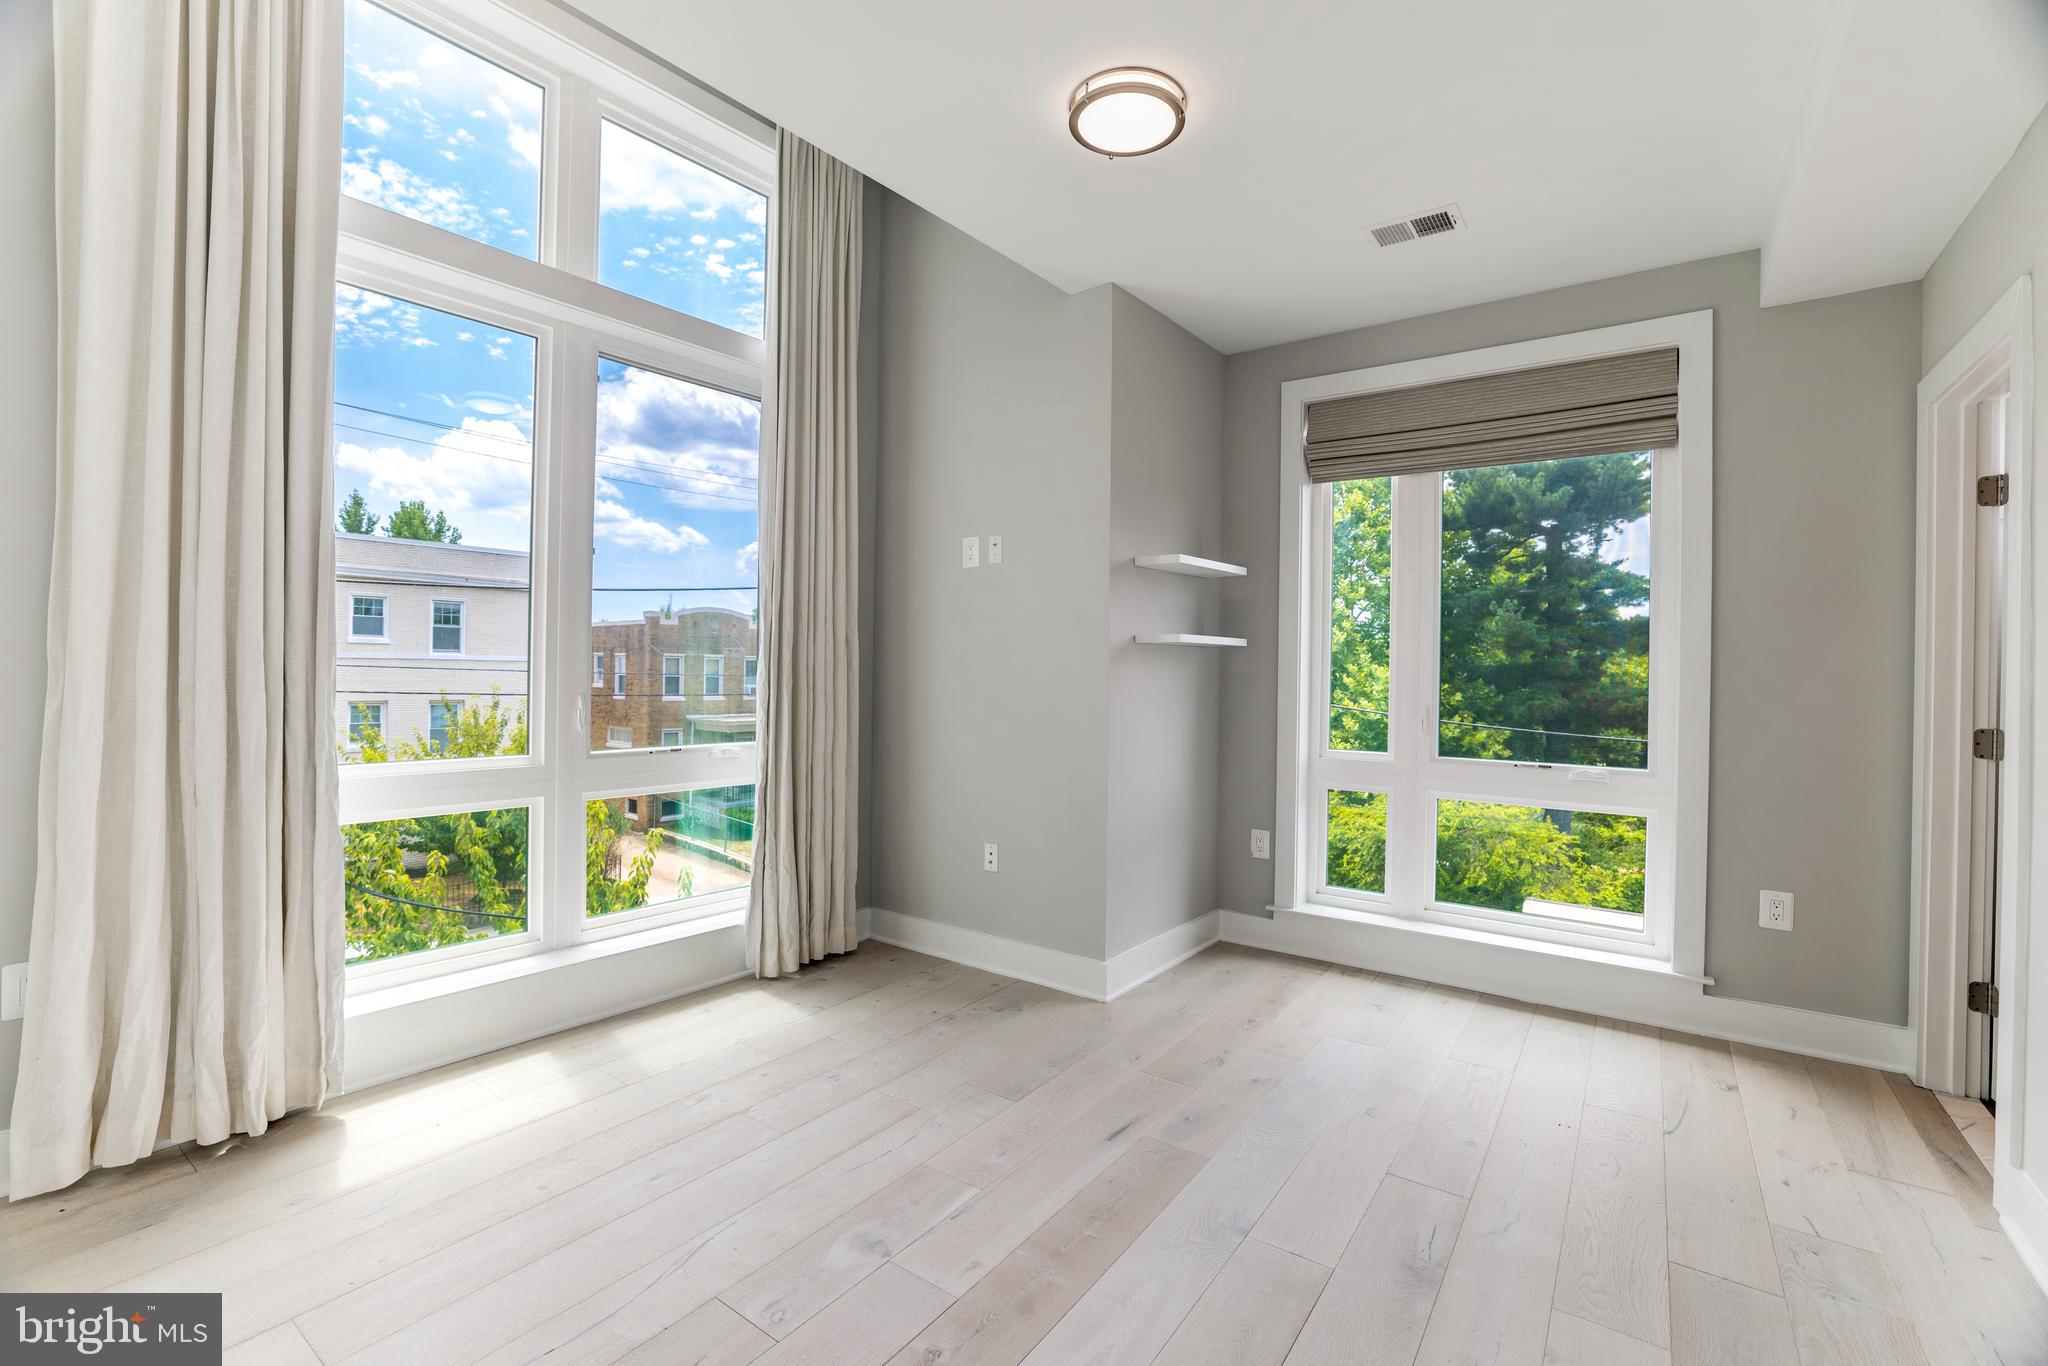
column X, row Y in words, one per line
column 1432, row 224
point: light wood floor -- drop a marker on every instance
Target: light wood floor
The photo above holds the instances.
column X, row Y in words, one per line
column 1250, row 1159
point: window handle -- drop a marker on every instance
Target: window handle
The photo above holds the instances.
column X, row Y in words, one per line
column 1589, row 775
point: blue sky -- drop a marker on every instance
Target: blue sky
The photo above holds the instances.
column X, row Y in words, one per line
column 438, row 407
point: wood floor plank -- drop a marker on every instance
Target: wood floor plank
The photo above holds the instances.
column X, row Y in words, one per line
column 782, row 1295
column 1450, row 1135
column 1613, row 1271
column 1250, row 1313
column 1006, row 1140
column 866, row 1325
column 1381, row 1007
column 1714, row 1207
column 1964, row 1303
column 1806, row 1184
column 1975, row 1124
column 1969, row 1179
column 1495, row 1298
column 995, row 1223
column 1373, row 1310
column 281, row 1346
column 711, row 1336
column 1627, row 1072
column 1316, row 1211
column 1007, row 1311
column 1205, row 1121
column 1130, row 1313
column 1714, row 1322
column 1870, row 1125
column 1311, row 1013
column 1575, row 1342
column 1845, row 1304
column 1494, row 1035
column 1236, row 1024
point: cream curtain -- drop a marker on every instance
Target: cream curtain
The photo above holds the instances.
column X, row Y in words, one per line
column 807, row 803
column 186, row 957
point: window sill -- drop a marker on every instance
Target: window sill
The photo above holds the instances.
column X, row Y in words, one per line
column 1458, row 939
column 363, row 1004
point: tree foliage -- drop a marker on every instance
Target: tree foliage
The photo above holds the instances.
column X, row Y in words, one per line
column 1545, row 659
column 426, row 882
column 410, row 521
column 355, row 516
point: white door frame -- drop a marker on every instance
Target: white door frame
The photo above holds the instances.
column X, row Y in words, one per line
column 1996, row 355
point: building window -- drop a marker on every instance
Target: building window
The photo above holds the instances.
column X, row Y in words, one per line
column 751, row 678
column 448, row 621
column 671, row 675
column 441, row 717
column 366, row 618
column 1490, row 728
column 714, row 675
column 464, row 129
column 671, row 737
column 633, row 807
column 365, row 724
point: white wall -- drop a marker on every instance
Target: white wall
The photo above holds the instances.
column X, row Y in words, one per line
column 28, row 396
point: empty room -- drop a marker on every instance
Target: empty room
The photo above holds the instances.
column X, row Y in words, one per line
column 914, row 684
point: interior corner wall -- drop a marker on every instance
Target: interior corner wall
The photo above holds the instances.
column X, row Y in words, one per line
column 990, row 684
column 1166, row 495
column 1811, row 770
column 28, row 395
column 868, row 468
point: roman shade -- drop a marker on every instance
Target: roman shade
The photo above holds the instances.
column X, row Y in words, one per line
column 1583, row 407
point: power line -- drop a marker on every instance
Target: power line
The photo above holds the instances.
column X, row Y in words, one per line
column 1491, row 725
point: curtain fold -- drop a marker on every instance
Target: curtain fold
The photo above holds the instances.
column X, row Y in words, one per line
column 186, row 951
column 801, row 907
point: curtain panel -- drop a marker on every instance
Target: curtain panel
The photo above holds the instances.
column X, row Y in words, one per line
column 186, row 950
column 807, row 844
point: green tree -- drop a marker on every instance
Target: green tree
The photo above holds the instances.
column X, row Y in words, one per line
column 412, row 522
column 1361, row 576
column 355, row 515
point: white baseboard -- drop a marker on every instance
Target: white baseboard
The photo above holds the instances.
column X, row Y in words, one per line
column 1622, row 992
column 1072, row 973
column 2023, row 1214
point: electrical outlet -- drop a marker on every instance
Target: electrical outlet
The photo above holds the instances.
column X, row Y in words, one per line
column 970, row 552
column 995, row 550
column 1262, row 844
column 1774, row 910
column 13, row 991
column 988, row 858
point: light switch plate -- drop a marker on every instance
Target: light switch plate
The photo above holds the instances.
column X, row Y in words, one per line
column 995, row 550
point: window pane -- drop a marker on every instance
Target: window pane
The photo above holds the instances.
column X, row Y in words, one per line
column 433, row 479
column 679, row 235
column 674, row 566
column 1358, row 841
column 667, row 847
column 1544, row 862
column 1546, row 612
column 431, row 881
column 1361, row 576
column 435, row 132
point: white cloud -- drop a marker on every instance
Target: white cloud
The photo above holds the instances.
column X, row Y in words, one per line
column 389, row 185
column 748, row 561
column 725, row 244
column 480, row 475
column 645, row 177
column 714, row 264
column 699, row 446
column 385, row 80
column 619, row 524
column 524, row 141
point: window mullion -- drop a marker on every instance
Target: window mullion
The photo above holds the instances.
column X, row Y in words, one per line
column 1411, row 841
column 572, row 382
column 575, row 183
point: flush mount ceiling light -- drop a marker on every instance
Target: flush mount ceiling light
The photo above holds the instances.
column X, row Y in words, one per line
column 1127, row 111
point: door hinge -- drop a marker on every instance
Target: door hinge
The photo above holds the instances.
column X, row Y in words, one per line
column 1988, row 743
column 1993, row 490
column 1983, row 999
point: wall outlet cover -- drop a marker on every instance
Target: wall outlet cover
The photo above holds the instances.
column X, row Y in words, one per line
column 970, row 552
column 988, row 858
column 1262, row 844
column 1774, row 910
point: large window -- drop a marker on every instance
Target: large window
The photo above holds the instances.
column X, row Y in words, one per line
column 1501, row 707
column 537, row 445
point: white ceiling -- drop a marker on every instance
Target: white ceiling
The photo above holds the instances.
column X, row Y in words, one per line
column 1582, row 138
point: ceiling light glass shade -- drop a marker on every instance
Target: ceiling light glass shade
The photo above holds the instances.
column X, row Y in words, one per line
column 1127, row 111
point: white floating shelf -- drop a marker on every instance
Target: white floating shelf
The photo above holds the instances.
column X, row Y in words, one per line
column 1192, row 565
column 1183, row 638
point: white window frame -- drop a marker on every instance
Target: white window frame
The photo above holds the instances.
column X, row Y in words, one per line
column 451, row 711
column 618, row 673
column 750, row 676
column 383, row 710
column 714, row 675
column 435, row 625
column 671, row 675
column 730, row 902
column 1672, row 792
column 585, row 75
column 383, row 618
column 677, row 732
column 597, row 668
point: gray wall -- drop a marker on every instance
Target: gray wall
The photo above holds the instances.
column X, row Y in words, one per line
column 1813, row 609
column 869, row 397
column 1166, row 494
column 28, row 396
column 991, row 684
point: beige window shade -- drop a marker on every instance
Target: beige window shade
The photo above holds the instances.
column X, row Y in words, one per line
column 1586, row 407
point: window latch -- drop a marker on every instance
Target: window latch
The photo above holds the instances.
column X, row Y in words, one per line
column 1589, row 775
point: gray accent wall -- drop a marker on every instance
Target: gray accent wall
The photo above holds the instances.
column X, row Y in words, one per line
column 1813, row 609
column 28, row 396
